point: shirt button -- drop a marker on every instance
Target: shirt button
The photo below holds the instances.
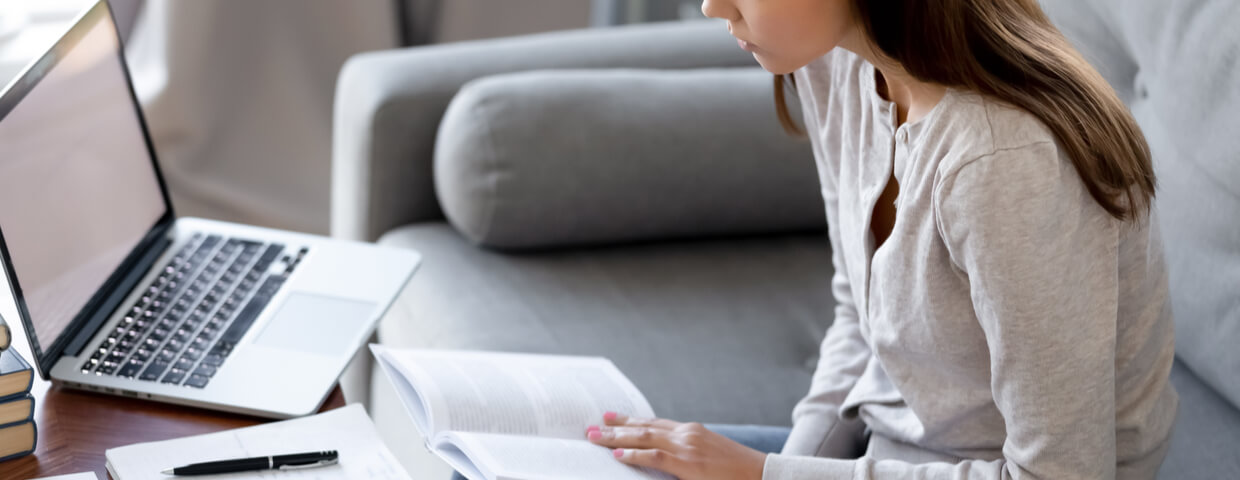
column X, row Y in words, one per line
column 902, row 136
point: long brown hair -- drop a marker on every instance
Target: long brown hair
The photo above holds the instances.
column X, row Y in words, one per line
column 1009, row 50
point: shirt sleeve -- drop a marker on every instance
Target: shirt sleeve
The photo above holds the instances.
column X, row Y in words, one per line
column 817, row 428
column 1041, row 260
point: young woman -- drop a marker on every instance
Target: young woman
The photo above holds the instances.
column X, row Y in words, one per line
column 1001, row 297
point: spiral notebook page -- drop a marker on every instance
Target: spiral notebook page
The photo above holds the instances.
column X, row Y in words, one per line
column 347, row 430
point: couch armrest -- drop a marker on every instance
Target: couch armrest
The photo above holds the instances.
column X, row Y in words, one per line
column 389, row 104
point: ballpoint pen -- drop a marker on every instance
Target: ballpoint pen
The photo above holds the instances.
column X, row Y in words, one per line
column 275, row 462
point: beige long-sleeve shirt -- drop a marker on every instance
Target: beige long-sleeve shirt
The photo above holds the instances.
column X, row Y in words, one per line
column 1008, row 327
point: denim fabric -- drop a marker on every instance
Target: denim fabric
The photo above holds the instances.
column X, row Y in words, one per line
column 762, row 438
column 758, row 437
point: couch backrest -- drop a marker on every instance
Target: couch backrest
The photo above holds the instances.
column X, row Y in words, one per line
column 1177, row 66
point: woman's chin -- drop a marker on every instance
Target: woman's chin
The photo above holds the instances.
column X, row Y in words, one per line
column 774, row 66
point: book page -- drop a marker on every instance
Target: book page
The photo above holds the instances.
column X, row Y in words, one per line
column 415, row 400
column 517, row 394
column 482, row 456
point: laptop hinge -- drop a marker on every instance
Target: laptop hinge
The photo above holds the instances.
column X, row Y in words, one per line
column 114, row 299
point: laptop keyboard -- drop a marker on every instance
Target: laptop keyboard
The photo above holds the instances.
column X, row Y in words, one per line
column 192, row 315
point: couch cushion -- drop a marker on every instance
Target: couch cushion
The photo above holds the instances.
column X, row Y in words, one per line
column 555, row 158
column 1176, row 63
column 721, row 331
column 1207, row 432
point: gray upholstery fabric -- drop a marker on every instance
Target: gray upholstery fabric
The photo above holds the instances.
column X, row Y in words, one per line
column 1177, row 65
column 1206, row 441
column 557, row 158
column 389, row 104
column 713, row 331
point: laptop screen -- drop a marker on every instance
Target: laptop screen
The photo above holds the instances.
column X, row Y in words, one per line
column 78, row 188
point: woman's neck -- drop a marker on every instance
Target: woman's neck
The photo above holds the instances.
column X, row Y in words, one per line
column 914, row 99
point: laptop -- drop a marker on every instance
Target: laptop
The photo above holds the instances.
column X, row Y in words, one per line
column 118, row 295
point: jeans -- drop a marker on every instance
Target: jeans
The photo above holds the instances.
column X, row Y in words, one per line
column 758, row 437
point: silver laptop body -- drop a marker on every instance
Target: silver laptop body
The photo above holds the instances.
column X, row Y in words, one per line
column 117, row 295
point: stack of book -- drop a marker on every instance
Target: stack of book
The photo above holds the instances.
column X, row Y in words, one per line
column 17, row 430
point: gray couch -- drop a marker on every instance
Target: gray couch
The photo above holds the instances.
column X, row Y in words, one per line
column 628, row 193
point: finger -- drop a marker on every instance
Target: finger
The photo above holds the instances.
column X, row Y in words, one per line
column 652, row 458
column 616, row 419
column 632, row 437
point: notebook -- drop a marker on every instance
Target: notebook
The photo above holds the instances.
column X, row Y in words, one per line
column 346, row 429
column 72, row 476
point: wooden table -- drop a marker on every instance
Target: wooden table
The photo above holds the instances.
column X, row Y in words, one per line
column 75, row 427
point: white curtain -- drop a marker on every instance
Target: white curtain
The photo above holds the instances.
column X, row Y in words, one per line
column 239, row 93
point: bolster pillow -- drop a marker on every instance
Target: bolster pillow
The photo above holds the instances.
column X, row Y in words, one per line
column 560, row 158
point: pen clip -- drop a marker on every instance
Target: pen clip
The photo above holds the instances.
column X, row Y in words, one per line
column 314, row 464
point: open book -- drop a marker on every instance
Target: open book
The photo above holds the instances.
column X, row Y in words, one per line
column 503, row 416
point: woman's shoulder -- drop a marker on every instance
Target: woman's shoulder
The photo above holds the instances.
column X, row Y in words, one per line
column 990, row 149
column 981, row 127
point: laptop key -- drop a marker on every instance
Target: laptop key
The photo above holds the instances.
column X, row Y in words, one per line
column 192, row 354
column 106, row 368
column 205, row 370
column 183, row 334
column 197, row 381
column 153, row 371
column 184, row 364
column 142, row 355
column 174, row 376
column 115, row 357
column 130, row 369
column 213, row 359
column 158, row 335
column 222, row 348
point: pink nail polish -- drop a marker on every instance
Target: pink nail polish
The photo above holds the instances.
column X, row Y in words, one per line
column 619, row 452
column 595, row 435
column 609, row 416
column 592, row 427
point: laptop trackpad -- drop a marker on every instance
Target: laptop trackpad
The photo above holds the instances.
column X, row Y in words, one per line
column 316, row 324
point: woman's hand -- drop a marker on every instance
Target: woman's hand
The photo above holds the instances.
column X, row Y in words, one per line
column 686, row 450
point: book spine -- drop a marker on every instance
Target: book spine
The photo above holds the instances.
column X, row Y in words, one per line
column 29, row 415
column 11, row 357
column 12, row 397
column 33, row 441
column 23, row 392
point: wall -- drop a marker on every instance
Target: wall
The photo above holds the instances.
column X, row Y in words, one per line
column 473, row 19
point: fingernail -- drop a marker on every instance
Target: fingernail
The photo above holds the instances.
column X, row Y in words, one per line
column 609, row 416
column 619, row 452
column 592, row 427
column 595, row 434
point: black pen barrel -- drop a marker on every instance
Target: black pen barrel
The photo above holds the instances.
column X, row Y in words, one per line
column 238, row 465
